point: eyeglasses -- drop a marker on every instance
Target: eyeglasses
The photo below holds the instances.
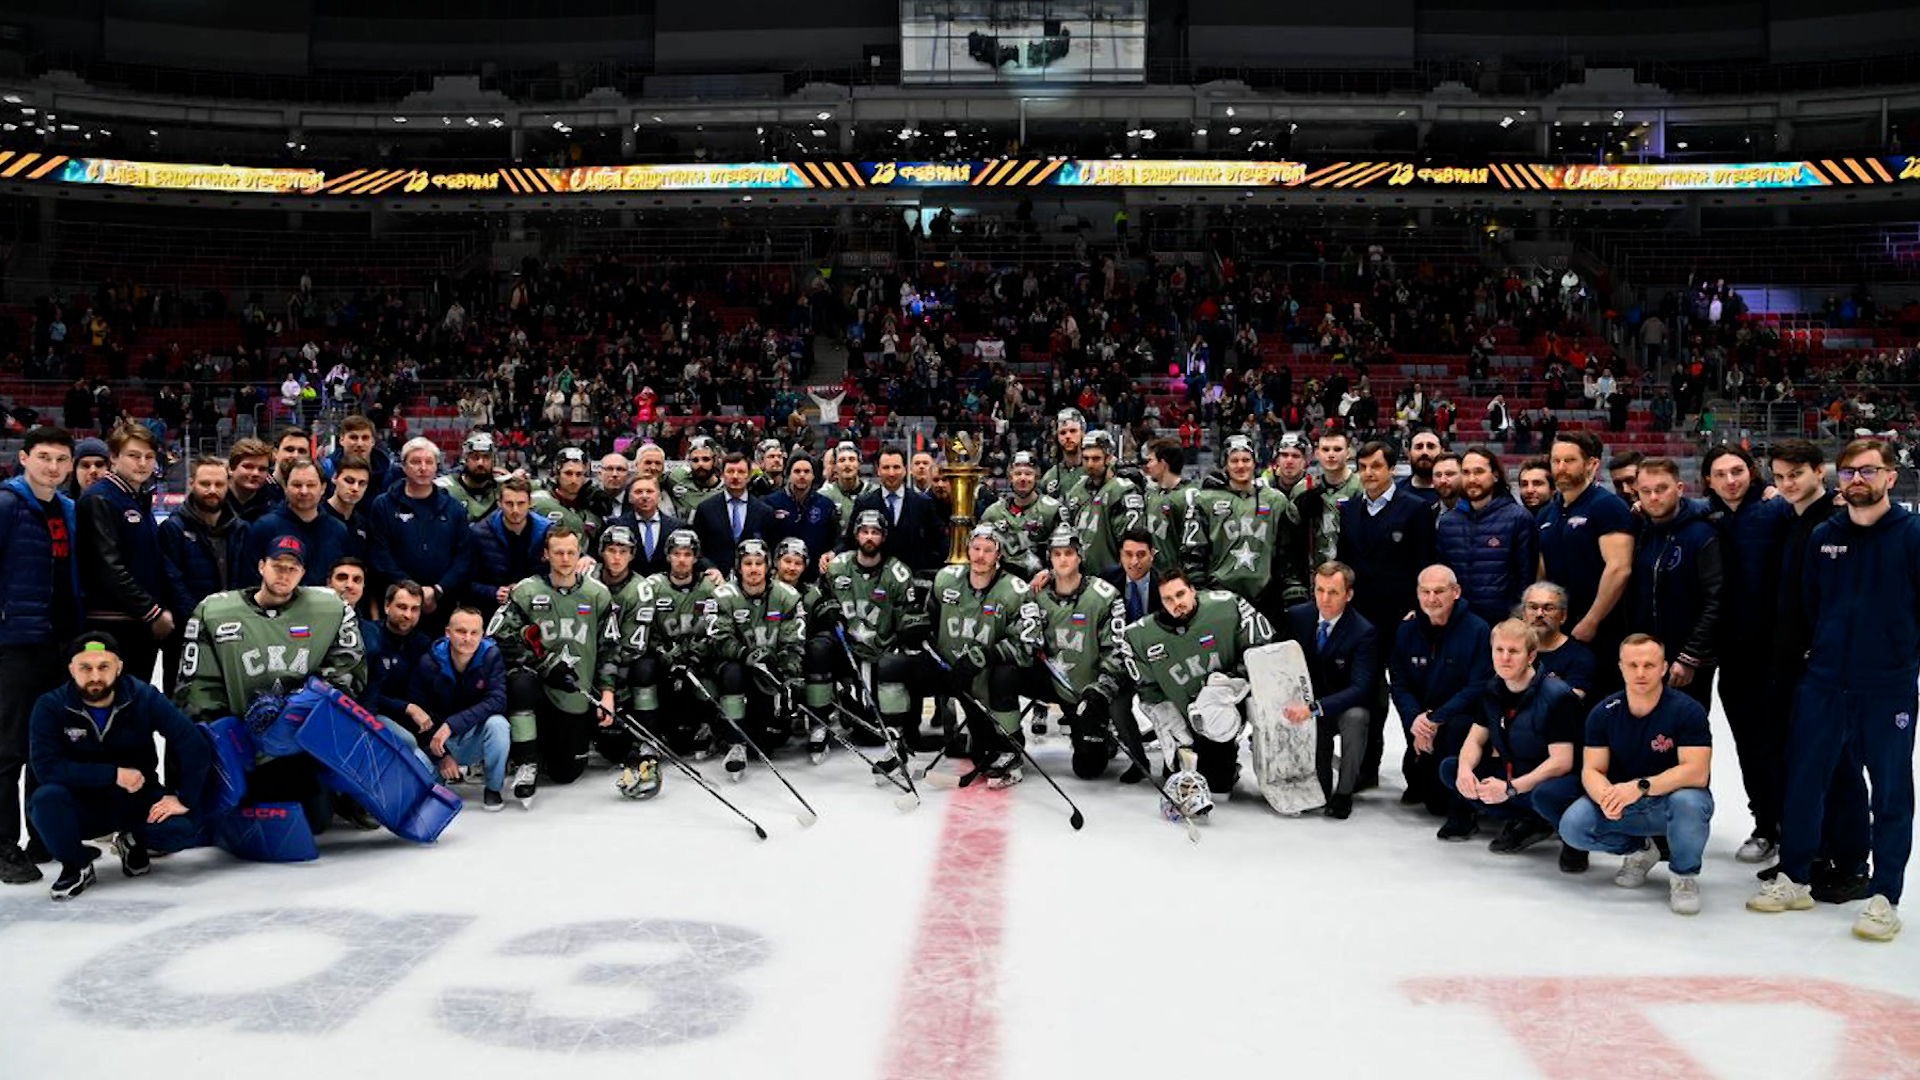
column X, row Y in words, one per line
column 1869, row 473
column 1531, row 606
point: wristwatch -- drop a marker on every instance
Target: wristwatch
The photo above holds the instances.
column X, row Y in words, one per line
column 1646, row 786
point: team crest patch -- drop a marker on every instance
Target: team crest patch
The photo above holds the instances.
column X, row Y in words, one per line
column 299, row 632
column 133, row 517
column 75, row 734
column 1493, row 541
column 1661, row 744
column 1576, row 522
column 1399, row 535
column 1902, row 720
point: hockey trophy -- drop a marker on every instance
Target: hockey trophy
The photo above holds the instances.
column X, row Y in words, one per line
column 963, row 473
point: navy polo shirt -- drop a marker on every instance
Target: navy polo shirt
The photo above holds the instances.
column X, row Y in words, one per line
column 1570, row 543
column 1646, row 745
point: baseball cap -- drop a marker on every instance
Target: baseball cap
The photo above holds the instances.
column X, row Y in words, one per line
column 291, row 546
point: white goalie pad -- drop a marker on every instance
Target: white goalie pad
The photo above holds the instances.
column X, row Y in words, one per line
column 1283, row 751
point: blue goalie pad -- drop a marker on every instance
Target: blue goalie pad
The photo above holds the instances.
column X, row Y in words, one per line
column 232, row 759
column 266, row 832
column 374, row 764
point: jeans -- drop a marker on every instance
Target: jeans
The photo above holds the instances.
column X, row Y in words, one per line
column 1684, row 817
column 485, row 744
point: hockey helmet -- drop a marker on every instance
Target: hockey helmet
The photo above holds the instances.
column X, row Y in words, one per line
column 1023, row 457
column 870, row 519
column 618, row 534
column 984, row 532
column 1070, row 416
column 569, row 455
column 1186, row 791
column 751, row 549
column 1241, row 443
column 480, row 442
column 1097, row 440
column 684, row 538
column 792, row 545
column 1064, row 538
column 640, row 780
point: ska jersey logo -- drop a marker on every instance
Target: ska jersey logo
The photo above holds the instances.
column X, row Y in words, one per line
column 978, row 631
column 1194, row 670
column 1246, row 527
column 863, row 613
column 1066, row 639
column 563, row 629
column 277, row 660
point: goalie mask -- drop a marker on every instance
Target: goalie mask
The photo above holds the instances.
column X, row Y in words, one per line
column 640, row 780
column 1186, row 791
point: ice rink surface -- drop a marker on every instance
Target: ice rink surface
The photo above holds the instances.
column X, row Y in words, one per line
column 976, row 936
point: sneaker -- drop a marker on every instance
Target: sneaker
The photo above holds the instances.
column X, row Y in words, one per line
column 1519, row 834
column 1459, row 829
column 1757, row 849
column 15, row 869
column 492, row 801
column 134, row 861
column 1634, row 868
column 1782, row 893
column 1339, row 807
column 816, row 743
column 1878, row 921
column 1831, row 886
column 1004, row 771
column 1683, row 894
column 1409, row 797
column 1573, row 860
column 37, row 852
column 526, row 780
column 72, row 883
column 736, row 762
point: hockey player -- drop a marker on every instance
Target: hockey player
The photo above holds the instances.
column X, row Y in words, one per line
column 556, row 633
column 688, row 485
column 820, row 659
column 476, row 486
column 569, row 501
column 1237, row 534
column 682, row 596
column 243, row 644
column 1169, row 497
column 1082, row 619
column 1068, row 428
column 1024, row 519
column 986, row 627
column 1101, row 506
column 1188, row 665
column 870, row 596
column 752, row 641
column 846, row 485
column 633, row 603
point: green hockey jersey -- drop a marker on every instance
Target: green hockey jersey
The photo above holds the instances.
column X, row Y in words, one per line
column 234, row 650
column 633, row 608
column 999, row 624
column 1081, row 635
column 1233, row 540
column 580, row 516
column 575, row 624
column 479, row 503
column 1024, row 531
column 1171, row 664
column 679, row 487
column 767, row 629
column 874, row 603
column 1100, row 517
column 1321, row 507
column 843, row 500
column 1167, row 513
column 678, row 611
column 1060, row 479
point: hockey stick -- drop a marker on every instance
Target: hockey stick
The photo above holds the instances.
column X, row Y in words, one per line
column 1174, row 813
column 805, row 819
column 967, row 701
column 895, row 742
column 909, row 798
column 639, row 731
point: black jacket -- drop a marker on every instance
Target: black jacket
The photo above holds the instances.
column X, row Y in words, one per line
column 1791, row 635
column 68, row 748
column 1675, row 591
column 715, row 528
column 1347, row 672
column 1117, row 577
column 119, row 552
column 199, row 559
column 1387, row 552
column 920, row 538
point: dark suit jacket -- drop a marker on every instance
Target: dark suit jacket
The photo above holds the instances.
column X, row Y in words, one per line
column 710, row 520
column 1117, row 577
column 919, row 540
column 1347, row 673
column 658, row 563
column 1387, row 552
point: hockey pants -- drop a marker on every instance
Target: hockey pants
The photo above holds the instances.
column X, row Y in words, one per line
column 559, row 740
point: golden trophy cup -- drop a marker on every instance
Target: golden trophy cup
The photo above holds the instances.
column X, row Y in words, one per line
column 963, row 475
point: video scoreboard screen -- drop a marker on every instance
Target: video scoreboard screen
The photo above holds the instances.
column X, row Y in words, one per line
column 1023, row 41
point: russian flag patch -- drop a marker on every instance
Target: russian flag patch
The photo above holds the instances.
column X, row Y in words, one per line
column 583, row 609
column 1206, row 641
column 1079, row 617
column 990, row 608
column 299, row 631
column 1262, row 511
column 775, row 616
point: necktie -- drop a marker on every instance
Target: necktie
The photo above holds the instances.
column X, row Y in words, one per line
column 646, row 534
column 893, row 509
column 739, row 508
column 1326, row 628
column 1136, row 601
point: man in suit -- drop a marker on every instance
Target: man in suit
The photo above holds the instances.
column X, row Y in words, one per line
column 1343, row 659
column 915, row 534
column 649, row 524
column 728, row 516
column 1134, row 576
column 1387, row 537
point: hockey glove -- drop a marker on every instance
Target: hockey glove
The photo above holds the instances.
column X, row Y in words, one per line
column 914, row 635
column 557, row 675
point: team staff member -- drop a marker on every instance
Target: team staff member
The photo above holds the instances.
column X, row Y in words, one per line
column 99, row 772
column 122, row 582
column 326, row 537
column 1544, row 605
column 508, row 545
column 1488, row 538
column 915, row 534
column 249, row 470
column 1586, row 547
column 199, row 550
column 1343, row 660
column 1441, row 665
column 420, row 533
column 1534, row 485
column 1677, row 579
column 1862, row 590
column 1518, row 757
column 40, row 593
column 800, row 511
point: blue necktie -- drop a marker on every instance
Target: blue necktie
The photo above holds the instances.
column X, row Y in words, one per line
column 1136, row 601
column 646, row 533
column 893, row 509
column 1326, row 628
column 739, row 508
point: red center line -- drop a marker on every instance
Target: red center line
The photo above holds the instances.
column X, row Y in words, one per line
column 947, row 1021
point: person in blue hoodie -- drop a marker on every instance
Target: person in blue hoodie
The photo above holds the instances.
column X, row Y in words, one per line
column 799, row 510
column 326, row 536
column 1440, row 667
column 509, row 545
column 419, row 532
column 39, row 609
column 1753, row 532
column 1488, row 539
column 94, row 755
column 1858, row 695
column 457, row 702
column 122, row 582
column 1675, row 591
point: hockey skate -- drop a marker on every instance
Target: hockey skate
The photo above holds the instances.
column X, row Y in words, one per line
column 526, row 777
column 736, row 763
column 1004, row 771
column 816, row 741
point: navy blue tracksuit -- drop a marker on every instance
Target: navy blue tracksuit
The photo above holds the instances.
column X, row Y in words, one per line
column 1862, row 594
column 1441, row 671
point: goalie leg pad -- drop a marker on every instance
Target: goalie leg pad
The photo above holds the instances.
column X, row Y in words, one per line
column 375, row 764
column 233, row 753
column 266, row 832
